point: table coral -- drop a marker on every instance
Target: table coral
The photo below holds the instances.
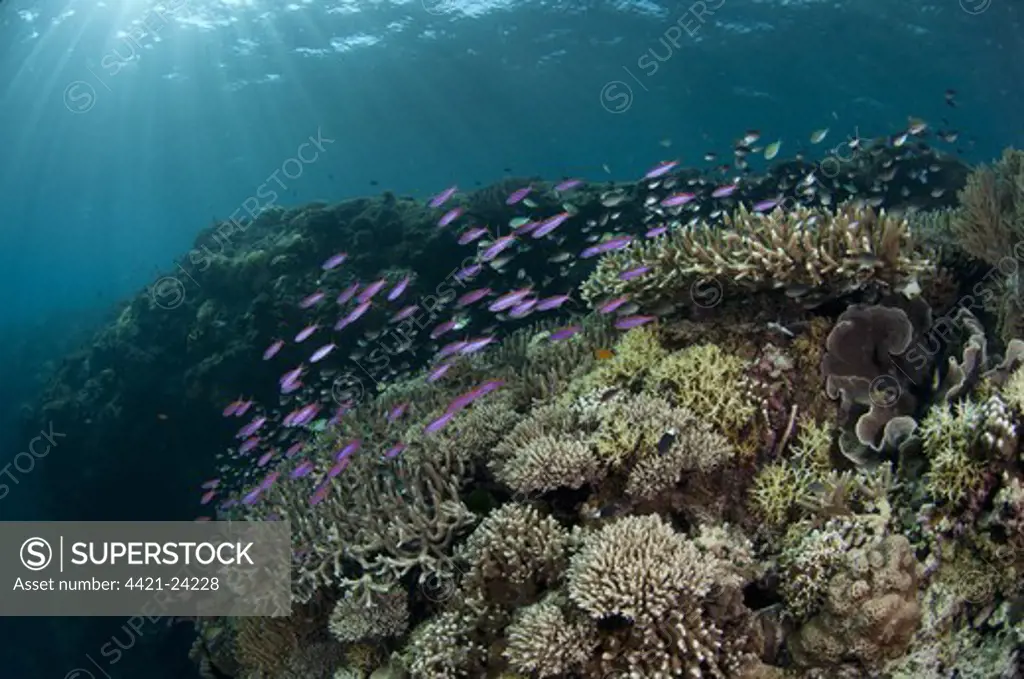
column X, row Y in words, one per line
column 815, row 254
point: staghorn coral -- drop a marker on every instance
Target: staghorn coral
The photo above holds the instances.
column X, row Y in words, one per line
column 783, row 487
column 678, row 601
column 634, row 354
column 512, row 553
column 808, row 253
column 550, row 462
column 948, row 434
column 870, row 610
column 707, row 380
column 694, row 449
column 544, row 642
column 382, row 616
column 631, row 428
column 443, row 647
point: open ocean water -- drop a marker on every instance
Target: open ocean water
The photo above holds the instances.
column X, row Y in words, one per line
column 129, row 127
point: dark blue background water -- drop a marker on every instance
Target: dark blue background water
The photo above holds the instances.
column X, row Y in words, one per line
column 125, row 127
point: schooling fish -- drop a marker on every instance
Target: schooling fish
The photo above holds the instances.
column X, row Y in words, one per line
column 450, row 348
column 347, row 293
column 399, row 288
column 509, row 299
column 441, row 198
column 552, row 302
column 518, row 195
column 549, row 225
column 334, row 261
column 321, row 353
column 438, row 372
column 627, row 322
column 564, row 333
column 724, row 191
column 472, row 296
column 309, row 301
column 495, row 248
column 677, row 199
column 438, row 424
column 370, row 290
column 404, row 313
column 612, row 304
column 633, row 273
column 304, row 334
column 471, row 235
column 272, row 350
column 568, row 185
column 449, row 217
column 661, row 169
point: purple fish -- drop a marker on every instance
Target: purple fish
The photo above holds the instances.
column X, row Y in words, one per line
column 438, row 372
column 568, row 185
column 724, row 191
column 472, row 296
column 442, row 328
column 353, row 315
column 395, row 451
column 470, row 235
column 438, row 424
column 265, row 458
column 627, row 322
column 351, row 447
column 309, row 301
column 370, row 290
column 661, row 169
column 509, row 299
column 347, row 293
column 248, row 445
column 449, row 217
column 656, row 231
column 334, row 261
column 404, row 313
column 338, row 468
column 550, row 224
column 523, row 308
column 272, row 350
column 251, row 428
column 269, row 480
column 475, row 345
column 397, row 412
column 616, row 243
column 525, row 228
column 635, row 272
column 469, row 272
column 305, row 414
column 321, row 353
column 677, row 199
column 399, row 288
column 442, row 198
column 290, row 387
column 496, row 248
column 552, row 302
column 252, row 497
column 766, row 205
column 518, row 195
column 564, row 333
column 612, row 304
column 291, row 375
column 302, row 469
column 304, row 334
column 450, row 348
column 243, row 408
column 294, row 449
column 230, row 408
column 320, row 494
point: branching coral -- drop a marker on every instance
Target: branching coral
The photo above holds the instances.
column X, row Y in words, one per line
column 443, row 648
column 543, row 642
column 810, row 253
column 550, row 462
column 512, row 553
column 784, row 486
column 671, row 594
column 948, row 434
column 383, row 616
column 709, row 381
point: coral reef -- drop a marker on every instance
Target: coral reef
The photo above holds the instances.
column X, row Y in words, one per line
column 803, row 462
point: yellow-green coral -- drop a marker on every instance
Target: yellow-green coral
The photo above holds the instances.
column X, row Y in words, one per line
column 633, row 355
column 784, row 485
column 706, row 380
column 947, row 434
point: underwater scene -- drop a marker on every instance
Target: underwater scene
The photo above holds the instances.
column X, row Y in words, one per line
column 571, row 338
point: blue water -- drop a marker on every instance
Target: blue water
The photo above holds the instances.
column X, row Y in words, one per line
column 128, row 126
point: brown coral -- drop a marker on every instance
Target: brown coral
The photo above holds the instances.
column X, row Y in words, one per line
column 543, row 642
column 385, row 615
column 870, row 610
